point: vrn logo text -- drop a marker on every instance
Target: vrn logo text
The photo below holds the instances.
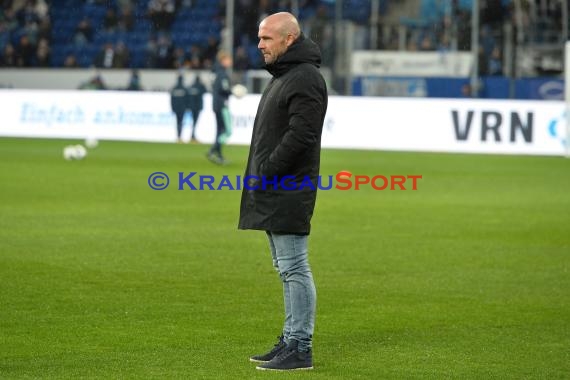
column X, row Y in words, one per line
column 494, row 126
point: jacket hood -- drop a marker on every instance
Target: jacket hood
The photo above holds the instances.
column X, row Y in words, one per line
column 303, row 50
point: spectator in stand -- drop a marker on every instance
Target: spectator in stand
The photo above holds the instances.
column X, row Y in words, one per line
column 25, row 52
column 41, row 8
column 443, row 44
column 4, row 35
column 44, row 29
column 195, row 57
column 483, row 62
column 151, row 53
column 83, row 32
column 210, row 52
column 495, row 63
column 179, row 58
column 106, row 57
column 8, row 18
column 241, row 61
column 27, row 14
column 426, row 43
column 110, row 20
column 247, row 23
column 164, row 53
column 321, row 32
column 122, row 56
column 161, row 14
column 8, row 58
column 127, row 18
column 70, row 62
column 43, row 53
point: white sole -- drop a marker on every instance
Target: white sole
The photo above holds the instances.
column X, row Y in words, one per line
column 284, row 370
column 257, row 361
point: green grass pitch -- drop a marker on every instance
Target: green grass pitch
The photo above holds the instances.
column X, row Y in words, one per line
column 467, row 277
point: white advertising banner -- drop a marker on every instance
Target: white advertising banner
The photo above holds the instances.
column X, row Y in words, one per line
column 439, row 125
column 446, row 125
column 111, row 115
column 411, row 64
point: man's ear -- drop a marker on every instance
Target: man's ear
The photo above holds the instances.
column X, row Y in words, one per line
column 290, row 40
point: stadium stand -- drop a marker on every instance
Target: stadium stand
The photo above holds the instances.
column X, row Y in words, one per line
column 79, row 30
column 73, row 33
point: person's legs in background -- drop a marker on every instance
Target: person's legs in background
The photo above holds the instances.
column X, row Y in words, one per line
column 215, row 153
column 179, row 121
column 195, row 116
column 223, row 131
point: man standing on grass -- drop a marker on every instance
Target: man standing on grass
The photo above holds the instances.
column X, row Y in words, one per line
column 178, row 100
column 195, row 103
column 286, row 145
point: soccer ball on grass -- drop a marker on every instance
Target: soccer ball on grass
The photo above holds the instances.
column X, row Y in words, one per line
column 74, row 152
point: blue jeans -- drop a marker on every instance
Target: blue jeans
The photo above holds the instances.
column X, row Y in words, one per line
column 290, row 259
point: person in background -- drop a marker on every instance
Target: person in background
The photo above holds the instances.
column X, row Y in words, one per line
column 178, row 102
column 122, row 57
column 221, row 90
column 70, row 61
column 95, row 83
column 134, row 82
column 196, row 103
column 105, row 59
column 43, row 53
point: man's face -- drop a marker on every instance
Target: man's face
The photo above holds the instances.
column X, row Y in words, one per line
column 271, row 43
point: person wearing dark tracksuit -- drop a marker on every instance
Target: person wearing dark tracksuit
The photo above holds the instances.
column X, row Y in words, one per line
column 221, row 90
column 195, row 103
column 178, row 104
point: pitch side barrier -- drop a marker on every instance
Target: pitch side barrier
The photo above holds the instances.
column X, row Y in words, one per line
column 403, row 124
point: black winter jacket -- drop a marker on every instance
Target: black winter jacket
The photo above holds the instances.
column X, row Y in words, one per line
column 178, row 97
column 196, row 96
column 286, row 144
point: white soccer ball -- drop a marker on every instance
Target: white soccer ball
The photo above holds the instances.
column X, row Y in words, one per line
column 80, row 152
column 69, row 153
column 74, row 152
column 239, row 90
column 91, row 142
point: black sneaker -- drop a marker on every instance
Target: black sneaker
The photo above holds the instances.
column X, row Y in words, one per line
column 290, row 359
column 280, row 346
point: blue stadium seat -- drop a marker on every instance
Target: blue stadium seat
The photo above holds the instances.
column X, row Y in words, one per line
column 192, row 26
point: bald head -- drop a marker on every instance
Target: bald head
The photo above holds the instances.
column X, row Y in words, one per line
column 284, row 23
column 276, row 33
